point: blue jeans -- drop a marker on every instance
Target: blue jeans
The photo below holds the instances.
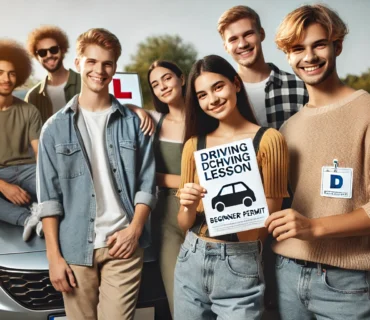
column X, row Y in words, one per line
column 321, row 293
column 23, row 176
column 218, row 280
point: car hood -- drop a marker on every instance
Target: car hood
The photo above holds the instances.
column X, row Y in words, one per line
column 11, row 241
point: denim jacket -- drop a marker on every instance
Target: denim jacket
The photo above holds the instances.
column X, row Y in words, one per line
column 64, row 177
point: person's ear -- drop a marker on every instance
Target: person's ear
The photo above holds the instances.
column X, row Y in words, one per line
column 287, row 55
column 225, row 45
column 338, row 47
column 77, row 64
column 262, row 34
column 182, row 78
column 237, row 84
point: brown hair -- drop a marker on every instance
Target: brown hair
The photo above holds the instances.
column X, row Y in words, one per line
column 101, row 37
column 295, row 23
column 15, row 53
column 158, row 104
column 44, row 32
column 197, row 122
column 235, row 14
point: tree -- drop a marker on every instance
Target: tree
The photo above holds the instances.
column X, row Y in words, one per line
column 164, row 47
column 358, row 82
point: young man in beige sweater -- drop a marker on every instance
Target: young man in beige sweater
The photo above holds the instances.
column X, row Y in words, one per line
column 323, row 241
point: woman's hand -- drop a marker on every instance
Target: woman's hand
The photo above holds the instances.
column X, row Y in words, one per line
column 190, row 195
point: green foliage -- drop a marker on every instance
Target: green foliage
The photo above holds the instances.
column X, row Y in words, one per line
column 164, row 47
column 358, row 82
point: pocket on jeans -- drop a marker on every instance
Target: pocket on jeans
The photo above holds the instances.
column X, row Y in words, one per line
column 184, row 254
column 346, row 281
column 280, row 261
column 243, row 265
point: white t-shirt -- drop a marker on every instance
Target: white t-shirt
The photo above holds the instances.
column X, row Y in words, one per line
column 57, row 96
column 110, row 216
column 256, row 95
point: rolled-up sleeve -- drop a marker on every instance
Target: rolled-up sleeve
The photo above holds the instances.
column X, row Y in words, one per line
column 48, row 187
column 145, row 192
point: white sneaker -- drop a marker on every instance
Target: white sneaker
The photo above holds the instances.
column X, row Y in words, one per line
column 39, row 230
column 31, row 221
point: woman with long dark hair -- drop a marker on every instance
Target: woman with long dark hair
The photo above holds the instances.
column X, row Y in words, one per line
column 221, row 277
column 167, row 85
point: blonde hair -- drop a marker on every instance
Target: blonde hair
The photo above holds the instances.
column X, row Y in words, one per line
column 44, row 32
column 235, row 14
column 295, row 23
column 15, row 53
column 101, row 37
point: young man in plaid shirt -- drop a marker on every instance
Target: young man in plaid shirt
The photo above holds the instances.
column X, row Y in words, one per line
column 275, row 95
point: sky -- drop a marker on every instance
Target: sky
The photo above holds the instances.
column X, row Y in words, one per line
column 195, row 21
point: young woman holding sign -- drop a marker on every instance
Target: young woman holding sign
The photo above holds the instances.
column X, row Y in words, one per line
column 221, row 277
column 167, row 84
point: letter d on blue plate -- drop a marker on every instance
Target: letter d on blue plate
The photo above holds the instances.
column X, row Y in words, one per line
column 336, row 181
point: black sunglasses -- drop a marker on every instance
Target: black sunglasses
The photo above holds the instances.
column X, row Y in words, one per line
column 43, row 52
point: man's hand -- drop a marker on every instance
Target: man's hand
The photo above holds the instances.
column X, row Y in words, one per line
column 124, row 243
column 15, row 194
column 289, row 223
column 146, row 122
column 61, row 275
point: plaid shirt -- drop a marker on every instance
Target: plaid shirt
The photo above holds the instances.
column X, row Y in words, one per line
column 285, row 95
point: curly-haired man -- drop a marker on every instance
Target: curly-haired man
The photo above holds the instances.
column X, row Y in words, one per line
column 49, row 44
column 20, row 124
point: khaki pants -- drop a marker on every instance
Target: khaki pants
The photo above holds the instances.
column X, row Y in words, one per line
column 106, row 291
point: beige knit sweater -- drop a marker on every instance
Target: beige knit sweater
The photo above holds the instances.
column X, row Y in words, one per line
column 316, row 136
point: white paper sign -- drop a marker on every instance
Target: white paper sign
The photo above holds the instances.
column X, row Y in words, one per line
column 235, row 200
column 126, row 88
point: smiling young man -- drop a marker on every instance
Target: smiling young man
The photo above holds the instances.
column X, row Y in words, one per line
column 20, row 124
column 96, row 188
column 49, row 44
column 323, row 241
column 273, row 94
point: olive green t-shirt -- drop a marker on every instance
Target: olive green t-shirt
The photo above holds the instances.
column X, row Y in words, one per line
column 19, row 125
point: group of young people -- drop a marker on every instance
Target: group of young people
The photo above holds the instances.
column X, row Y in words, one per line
column 101, row 172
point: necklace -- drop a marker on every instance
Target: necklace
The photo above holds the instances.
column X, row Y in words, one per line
column 181, row 120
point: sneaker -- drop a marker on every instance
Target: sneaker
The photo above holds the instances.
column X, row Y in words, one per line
column 31, row 222
column 39, row 230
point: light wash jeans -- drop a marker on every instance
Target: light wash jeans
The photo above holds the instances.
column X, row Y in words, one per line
column 322, row 294
column 23, row 176
column 218, row 280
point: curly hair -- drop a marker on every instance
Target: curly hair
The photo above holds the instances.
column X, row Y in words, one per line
column 47, row 31
column 15, row 53
column 294, row 25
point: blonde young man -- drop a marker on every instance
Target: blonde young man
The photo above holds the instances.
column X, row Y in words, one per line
column 96, row 187
column 49, row 44
column 20, row 124
column 274, row 95
column 323, row 241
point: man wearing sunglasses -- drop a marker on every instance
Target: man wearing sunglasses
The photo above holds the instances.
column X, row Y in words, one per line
column 49, row 44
